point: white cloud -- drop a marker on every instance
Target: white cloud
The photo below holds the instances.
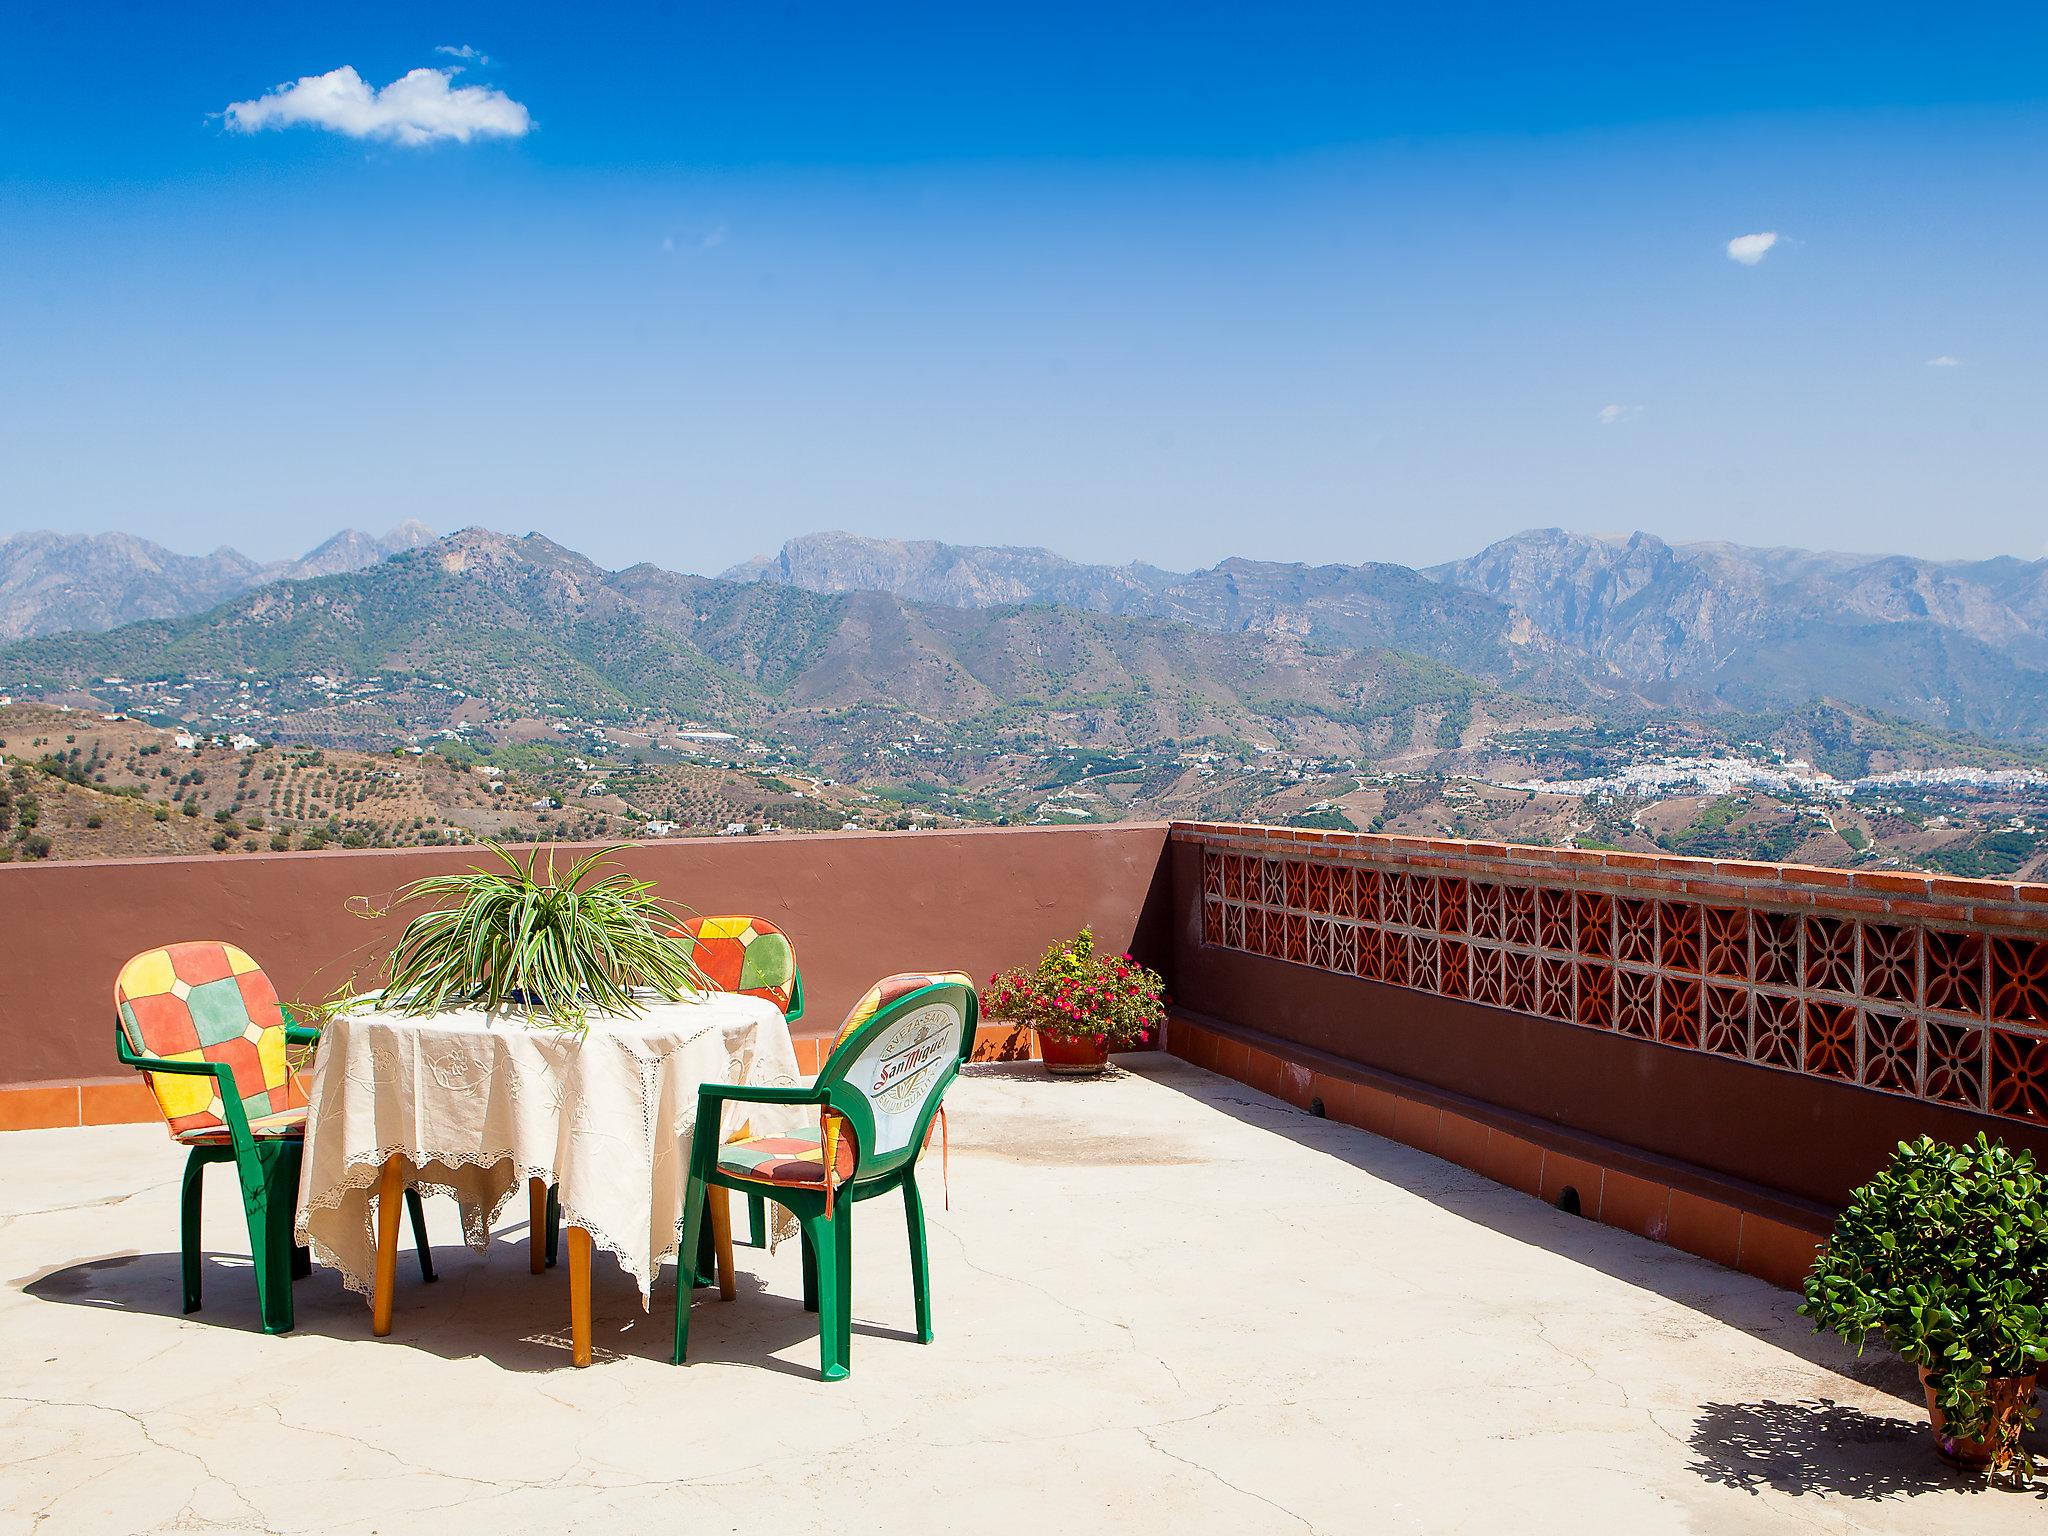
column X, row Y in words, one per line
column 713, row 239
column 1609, row 415
column 419, row 107
column 1751, row 249
column 467, row 54
column 1944, row 361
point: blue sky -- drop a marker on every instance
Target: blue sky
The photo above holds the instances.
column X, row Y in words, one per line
column 1165, row 282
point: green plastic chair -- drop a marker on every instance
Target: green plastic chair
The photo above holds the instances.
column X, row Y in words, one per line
column 203, row 1023
column 754, row 958
column 748, row 956
column 877, row 1095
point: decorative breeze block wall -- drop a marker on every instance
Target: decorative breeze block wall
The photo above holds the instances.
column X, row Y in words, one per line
column 1934, row 989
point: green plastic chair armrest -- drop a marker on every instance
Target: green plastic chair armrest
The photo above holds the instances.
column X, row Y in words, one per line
column 795, row 1010
column 296, row 1033
column 232, row 1113
column 738, row 1093
column 131, row 1058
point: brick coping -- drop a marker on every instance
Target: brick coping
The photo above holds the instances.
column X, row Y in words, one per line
column 1997, row 903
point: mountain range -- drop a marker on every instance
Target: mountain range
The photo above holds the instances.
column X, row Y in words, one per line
column 1600, row 622
column 51, row 582
column 849, row 647
column 539, row 632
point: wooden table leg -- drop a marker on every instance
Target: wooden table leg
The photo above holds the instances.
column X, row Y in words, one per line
column 390, row 1200
column 537, row 1225
column 720, row 1201
column 579, row 1295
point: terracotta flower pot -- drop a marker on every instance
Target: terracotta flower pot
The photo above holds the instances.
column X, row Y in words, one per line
column 2010, row 1396
column 1065, row 1056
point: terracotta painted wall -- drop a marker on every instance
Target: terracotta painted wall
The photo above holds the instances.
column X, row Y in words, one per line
column 857, row 905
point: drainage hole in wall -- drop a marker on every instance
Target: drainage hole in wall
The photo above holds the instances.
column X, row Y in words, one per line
column 1568, row 1201
column 1315, row 1107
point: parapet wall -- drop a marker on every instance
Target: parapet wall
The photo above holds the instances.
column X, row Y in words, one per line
column 858, row 906
column 1781, row 1025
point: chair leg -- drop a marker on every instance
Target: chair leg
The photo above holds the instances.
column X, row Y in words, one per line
column 554, row 1223
column 686, row 1265
column 825, row 1241
column 707, row 1245
column 757, row 1222
column 810, row 1269
column 920, row 1258
column 720, row 1199
column 418, row 1215
column 302, row 1261
column 270, row 1181
column 188, row 1228
column 842, row 1233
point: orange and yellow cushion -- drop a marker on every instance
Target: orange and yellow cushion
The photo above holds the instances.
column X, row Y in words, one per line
column 797, row 1157
column 205, row 1002
column 289, row 1122
column 888, row 990
column 747, row 955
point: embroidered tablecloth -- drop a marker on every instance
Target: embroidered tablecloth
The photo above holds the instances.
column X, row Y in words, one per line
column 478, row 1104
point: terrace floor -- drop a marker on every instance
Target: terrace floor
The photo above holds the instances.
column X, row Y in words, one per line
column 1163, row 1302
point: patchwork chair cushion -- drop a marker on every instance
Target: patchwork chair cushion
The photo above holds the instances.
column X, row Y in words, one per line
column 888, row 989
column 206, row 1002
column 795, row 1158
column 290, row 1122
column 747, row 955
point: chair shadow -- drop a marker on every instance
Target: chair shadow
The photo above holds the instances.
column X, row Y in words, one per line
column 485, row 1305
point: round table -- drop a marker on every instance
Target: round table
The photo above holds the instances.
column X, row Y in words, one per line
column 476, row 1105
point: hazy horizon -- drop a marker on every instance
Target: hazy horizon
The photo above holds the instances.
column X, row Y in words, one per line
column 566, row 541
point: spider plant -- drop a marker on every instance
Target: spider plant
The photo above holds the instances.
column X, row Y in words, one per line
column 513, row 933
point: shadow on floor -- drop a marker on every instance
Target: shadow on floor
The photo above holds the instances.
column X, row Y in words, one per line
column 1811, row 1447
column 485, row 1306
column 1736, row 1300
column 1818, row 1446
column 1035, row 1072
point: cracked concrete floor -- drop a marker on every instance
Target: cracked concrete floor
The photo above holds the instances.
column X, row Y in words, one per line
column 1162, row 1300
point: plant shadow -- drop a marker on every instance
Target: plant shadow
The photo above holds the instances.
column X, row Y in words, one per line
column 1035, row 1072
column 1819, row 1446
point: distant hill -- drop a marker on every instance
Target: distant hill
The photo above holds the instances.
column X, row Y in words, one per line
column 1622, row 623
column 51, row 582
column 630, row 699
column 1962, row 645
column 533, row 630
column 1353, row 607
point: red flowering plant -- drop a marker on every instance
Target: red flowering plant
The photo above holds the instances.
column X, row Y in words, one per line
column 1075, row 994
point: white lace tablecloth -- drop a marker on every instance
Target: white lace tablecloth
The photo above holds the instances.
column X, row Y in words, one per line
column 477, row 1105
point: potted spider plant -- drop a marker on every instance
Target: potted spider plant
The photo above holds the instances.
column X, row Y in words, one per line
column 1944, row 1255
column 1081, row 1005
column 513, row 935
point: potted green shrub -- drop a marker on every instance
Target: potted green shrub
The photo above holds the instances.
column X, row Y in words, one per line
column 1945, row 1256
column 517, row 936
column 1081, row 1005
